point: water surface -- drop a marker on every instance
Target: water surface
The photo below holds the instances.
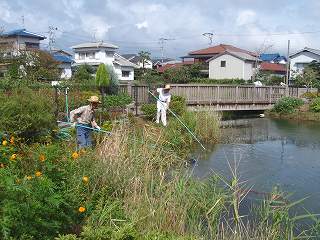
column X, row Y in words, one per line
column 270, row 153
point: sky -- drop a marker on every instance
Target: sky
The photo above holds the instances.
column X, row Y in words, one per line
column 135, row 25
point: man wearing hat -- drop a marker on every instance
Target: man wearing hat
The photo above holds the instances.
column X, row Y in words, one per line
column 163, row 104
column 84, row 116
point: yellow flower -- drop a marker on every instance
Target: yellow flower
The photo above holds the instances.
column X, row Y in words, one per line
column 12, row 140
column 85, row 179
column 1, row 165
column 82, row 209
column 38, row 174
column 18, row 180
column 29, row 177
column 4, row 142
column 13, row 157
column 42, row 158
column 75, row 155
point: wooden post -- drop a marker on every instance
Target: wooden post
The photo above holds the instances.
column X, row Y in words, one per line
column 270, row 92
column 237, row 93
column 136, row 98
column 198, row 95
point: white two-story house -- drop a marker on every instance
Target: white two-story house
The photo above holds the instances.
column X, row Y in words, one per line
column 95, row 53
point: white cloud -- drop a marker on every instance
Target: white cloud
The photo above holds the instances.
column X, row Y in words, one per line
column 5, row 12
column 95, row 25
column 246, row 17
column 142, row 25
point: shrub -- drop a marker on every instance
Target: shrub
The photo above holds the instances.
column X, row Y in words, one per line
column 178, row 104
column 287, row 105
column 315, row 105
column 149, row 110
column 310, row 95
column 26, row 114
column 117, row 101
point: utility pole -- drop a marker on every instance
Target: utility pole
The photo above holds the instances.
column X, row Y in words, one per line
column 288, row 63
column 162, row 42
column 52, row 37
column 209, row 35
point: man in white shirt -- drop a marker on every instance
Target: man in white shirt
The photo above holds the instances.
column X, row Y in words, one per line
column 163, row 104
column 84, row 117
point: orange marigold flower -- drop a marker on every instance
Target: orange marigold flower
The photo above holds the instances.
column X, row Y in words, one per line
column 13, row 157
column 75, row 155
column 42, row 158
column 29, row 177
column 12, row 140
column 4, row 142
column 38, row 174
column 85, row 179
column 82, row 209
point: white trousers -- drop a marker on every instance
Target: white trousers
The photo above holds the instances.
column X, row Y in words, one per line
column 162, row 112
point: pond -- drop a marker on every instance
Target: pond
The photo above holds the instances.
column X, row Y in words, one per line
column 269, row 153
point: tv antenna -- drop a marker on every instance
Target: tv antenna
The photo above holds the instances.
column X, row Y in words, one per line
column 208, row 35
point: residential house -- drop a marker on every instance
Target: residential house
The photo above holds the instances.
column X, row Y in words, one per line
column 273, row 58
column 158, row 62
column 94, row 53
column 65, row 60
column 173, row 64
column 273, row 68
column 300, row 59
column 20, row 39
column 12, row 42
column 230, row 65
column 203, row 55
column 136, row 59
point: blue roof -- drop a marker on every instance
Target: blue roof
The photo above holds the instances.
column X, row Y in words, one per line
column 62, row 58
column 268, row 57
column 24, row 33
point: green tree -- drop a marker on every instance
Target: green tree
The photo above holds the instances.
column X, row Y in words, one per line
column 83, row 73
column 308, row 78
column 144, row 57
column 102, row 78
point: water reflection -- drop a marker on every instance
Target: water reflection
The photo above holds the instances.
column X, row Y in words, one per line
column 269, row 153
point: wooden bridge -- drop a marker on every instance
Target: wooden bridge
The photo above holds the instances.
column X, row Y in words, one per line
column 215, row 97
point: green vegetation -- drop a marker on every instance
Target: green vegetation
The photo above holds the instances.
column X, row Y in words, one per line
column 26, row 114
column 315, row 105
column 287, row 105
column 117, row 101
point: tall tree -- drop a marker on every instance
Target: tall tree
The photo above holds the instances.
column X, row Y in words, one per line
column 144, row 57
column 102, row 78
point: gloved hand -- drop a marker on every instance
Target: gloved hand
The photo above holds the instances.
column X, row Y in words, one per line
column 97, row 127
column 73, row 125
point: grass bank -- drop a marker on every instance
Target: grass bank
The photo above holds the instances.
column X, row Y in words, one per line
column 134, row 185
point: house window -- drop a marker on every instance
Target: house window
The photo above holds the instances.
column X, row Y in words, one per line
column 223, row 64
column 82, row 56
column 90, row 55
column 125, row 73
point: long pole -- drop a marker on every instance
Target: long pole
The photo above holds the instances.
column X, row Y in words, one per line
column 186, row 127
column 84, row 126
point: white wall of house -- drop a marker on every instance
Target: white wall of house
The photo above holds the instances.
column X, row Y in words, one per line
column 300, row 60
column 106, row 56
column 66, row 72
column 147, row 64
column 124, row 73
column 90, row 56
column 234, row 68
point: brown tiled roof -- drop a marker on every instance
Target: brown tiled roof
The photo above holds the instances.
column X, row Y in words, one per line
column 274, row 67
column 220, row 49
column 173, row 65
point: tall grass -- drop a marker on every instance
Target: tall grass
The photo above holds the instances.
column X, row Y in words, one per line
column 139, row 164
